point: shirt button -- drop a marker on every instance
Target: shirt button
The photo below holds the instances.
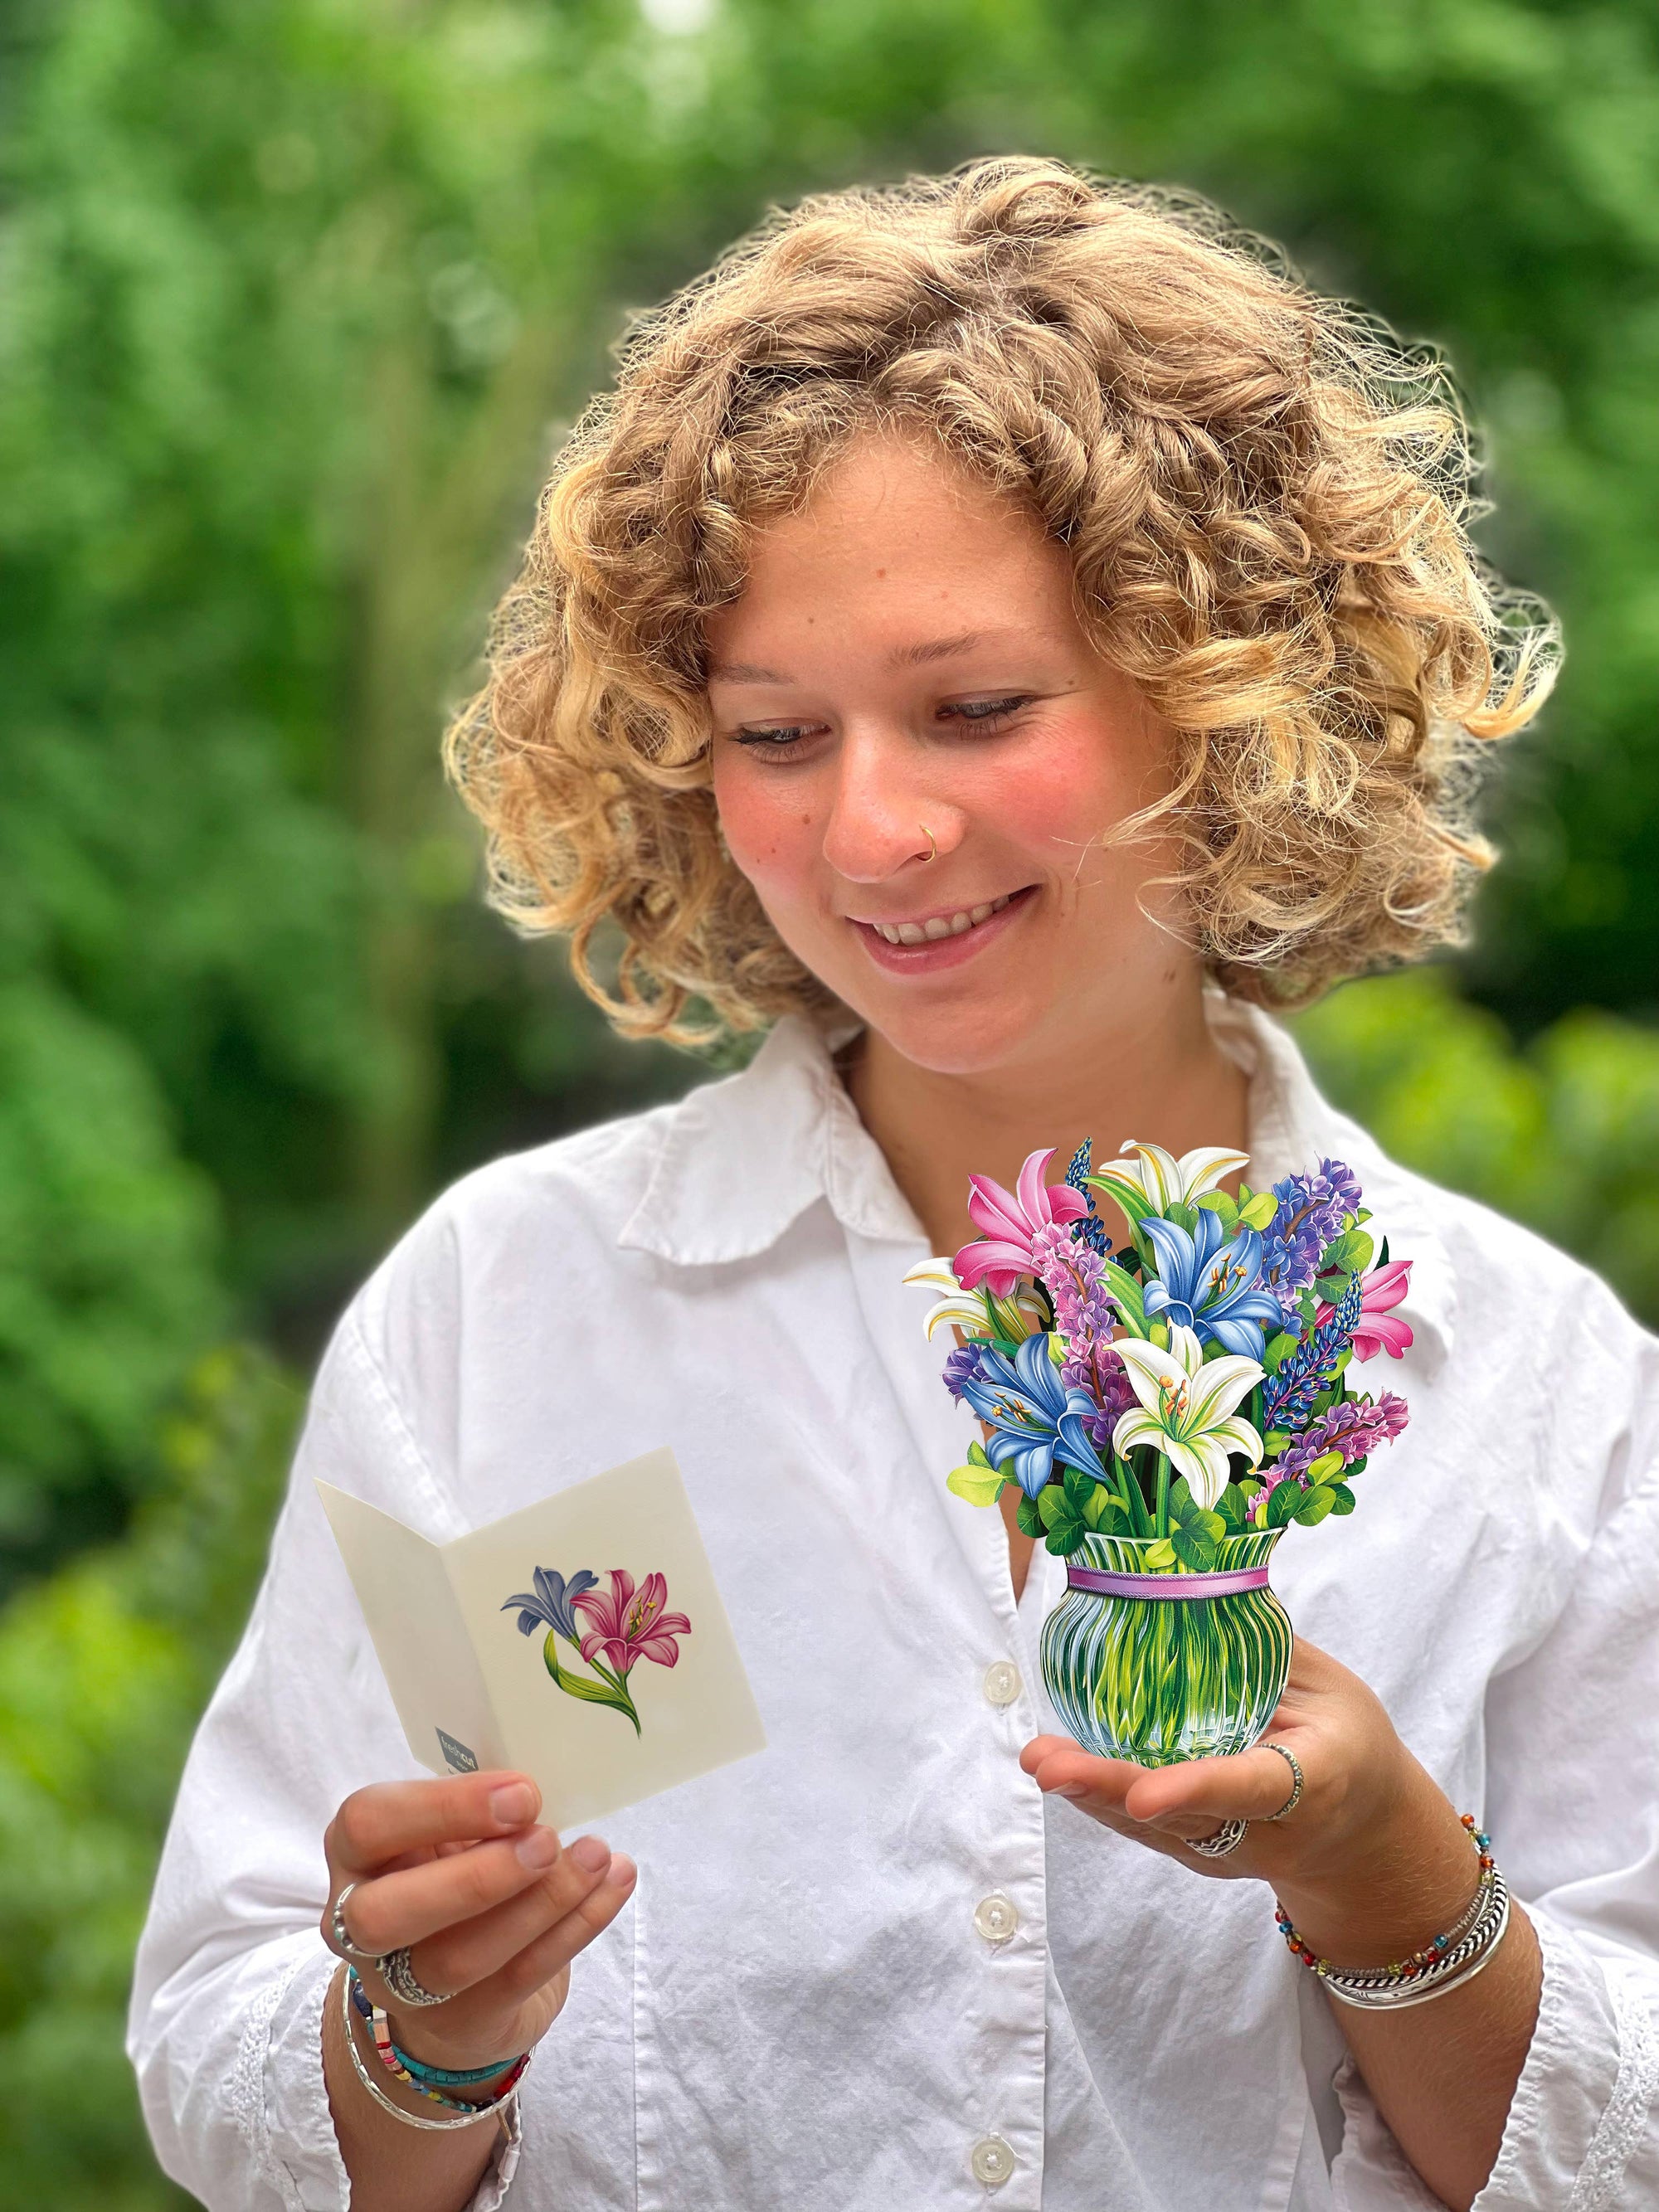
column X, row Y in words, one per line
column 1002, row 1683
column 991, row 2161
column 996, row 1921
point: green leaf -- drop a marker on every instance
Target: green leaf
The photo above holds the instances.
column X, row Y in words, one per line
column 1157, row 1557
column 1027, row 1519
column 1351, row 1253
column 1283, row 1503
column 1316, row 1504
column 978, row 1487
column 1079, row 1488
column 1327, row 1465
column 1181, row 1501
column 1342, row 1499
column 977, row 1456
column 1052, row 1506
column 1103, row 1510
column 1195, row 1549
column 1183, row 1216
column 1224, row 1208
column 1233, row 1506
column 1066, row 1537
column 1260, row 1211
column 1130, row 1297
column 1280, row 1349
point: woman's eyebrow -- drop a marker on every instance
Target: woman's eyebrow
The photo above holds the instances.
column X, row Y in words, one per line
column 742, row 672
column 902, row 656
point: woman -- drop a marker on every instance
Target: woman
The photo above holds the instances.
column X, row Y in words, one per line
column 1003, row 633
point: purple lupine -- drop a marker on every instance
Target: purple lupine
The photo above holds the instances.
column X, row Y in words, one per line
column 1071, row 1272
column 1104, row 1375
column 960, row 1368
column 1287, row 1397
column 1353, row 1429
column 1312, row 1209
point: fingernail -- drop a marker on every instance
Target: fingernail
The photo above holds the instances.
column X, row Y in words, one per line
column 540, row 1848
column 623, row 1872
column 1071, row 1790
column 590, row 1854
column 513, row 1803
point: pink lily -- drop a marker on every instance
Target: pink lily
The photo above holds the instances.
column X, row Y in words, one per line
column 1378, row 1330
column 629, row 1623
column 1011, row 1220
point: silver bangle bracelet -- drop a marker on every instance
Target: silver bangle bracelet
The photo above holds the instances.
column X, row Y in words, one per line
column 389, row 2103
column 1460, row 1964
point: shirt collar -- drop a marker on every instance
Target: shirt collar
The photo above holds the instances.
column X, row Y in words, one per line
column 742, row 1158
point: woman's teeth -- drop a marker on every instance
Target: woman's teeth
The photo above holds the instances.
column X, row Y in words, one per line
column 919, row 933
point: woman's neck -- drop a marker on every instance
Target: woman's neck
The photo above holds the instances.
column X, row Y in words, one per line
column 1163, row 1081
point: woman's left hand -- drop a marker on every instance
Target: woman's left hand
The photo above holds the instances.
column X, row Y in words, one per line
column 1372, row 1862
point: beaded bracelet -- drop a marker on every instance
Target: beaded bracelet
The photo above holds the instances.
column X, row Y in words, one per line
column 400, row 2067
column 499, row 2107
column 1455, row 1956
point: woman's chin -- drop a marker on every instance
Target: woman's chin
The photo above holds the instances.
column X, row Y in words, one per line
column 969, row 1038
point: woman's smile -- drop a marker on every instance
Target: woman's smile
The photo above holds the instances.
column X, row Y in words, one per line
column 945, row 937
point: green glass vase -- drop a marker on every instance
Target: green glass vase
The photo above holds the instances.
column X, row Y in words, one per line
column 1161, row 1679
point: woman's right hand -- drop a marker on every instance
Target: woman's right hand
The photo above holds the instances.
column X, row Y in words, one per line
column 491, row 1907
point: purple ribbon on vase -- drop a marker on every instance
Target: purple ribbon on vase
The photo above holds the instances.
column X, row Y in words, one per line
column 1103, row 1582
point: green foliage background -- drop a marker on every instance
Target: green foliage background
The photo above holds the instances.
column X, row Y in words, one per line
column 292, row 298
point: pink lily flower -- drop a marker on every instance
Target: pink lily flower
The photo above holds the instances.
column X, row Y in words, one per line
column 629, row 1623
column 1011, row 1220
column 1378, row 1329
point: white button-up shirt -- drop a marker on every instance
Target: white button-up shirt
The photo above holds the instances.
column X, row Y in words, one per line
column 872, row 1968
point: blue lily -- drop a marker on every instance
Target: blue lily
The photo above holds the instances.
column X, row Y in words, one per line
column 1212, row 1288
column 550, row 1601
column 1031, row 1413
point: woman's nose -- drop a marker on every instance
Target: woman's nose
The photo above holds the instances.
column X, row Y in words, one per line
column 883, row 819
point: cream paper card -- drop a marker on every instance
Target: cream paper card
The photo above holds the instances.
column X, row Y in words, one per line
column 582, row 1641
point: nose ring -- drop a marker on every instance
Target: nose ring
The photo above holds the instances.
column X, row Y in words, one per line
column 933, row 842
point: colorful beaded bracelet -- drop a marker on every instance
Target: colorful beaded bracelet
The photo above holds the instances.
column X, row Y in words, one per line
column 1420, row 1963
column 401, row 2069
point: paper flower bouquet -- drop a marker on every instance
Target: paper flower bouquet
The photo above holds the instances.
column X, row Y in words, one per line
column 1166, row 1412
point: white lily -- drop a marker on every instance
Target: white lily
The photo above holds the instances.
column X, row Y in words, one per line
column 1157, row 1179
column 1186, row 1409
column 969, row 1310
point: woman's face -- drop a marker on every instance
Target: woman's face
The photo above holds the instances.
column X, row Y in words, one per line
column 905, row 672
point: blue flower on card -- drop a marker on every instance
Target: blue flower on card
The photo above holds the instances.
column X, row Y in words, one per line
column 550, row 1601
column 1213, row 1288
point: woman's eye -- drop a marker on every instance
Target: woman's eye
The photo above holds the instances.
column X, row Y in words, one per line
column 773, row 742
column 980, row 714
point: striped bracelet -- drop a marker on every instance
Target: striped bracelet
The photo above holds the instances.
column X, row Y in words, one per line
column 422, row 2079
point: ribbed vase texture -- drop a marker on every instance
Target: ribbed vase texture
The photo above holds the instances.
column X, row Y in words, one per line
column 1158, row 1680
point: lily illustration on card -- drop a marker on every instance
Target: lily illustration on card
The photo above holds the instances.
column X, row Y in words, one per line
column 612, row 1630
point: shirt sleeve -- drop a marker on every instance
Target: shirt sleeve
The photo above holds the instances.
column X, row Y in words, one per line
column 225, row 2028
column 1572, row 1803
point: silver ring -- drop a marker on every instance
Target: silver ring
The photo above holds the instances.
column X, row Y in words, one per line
column 1295, row 1765
column 399, row 1977
column 337, row 1928
column 1227, row 1838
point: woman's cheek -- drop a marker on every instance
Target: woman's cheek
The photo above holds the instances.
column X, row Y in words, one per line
column 769, row 833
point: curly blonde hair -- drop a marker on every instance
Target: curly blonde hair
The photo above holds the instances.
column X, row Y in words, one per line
column 1265, row 500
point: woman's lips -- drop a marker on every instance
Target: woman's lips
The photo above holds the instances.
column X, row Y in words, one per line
column 947, row 951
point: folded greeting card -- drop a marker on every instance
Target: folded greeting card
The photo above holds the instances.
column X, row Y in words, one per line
column 514, row 1646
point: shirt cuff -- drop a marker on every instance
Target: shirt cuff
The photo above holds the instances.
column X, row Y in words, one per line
column 1582, row 2118
column 298, row 2124
column 1580, row 2125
